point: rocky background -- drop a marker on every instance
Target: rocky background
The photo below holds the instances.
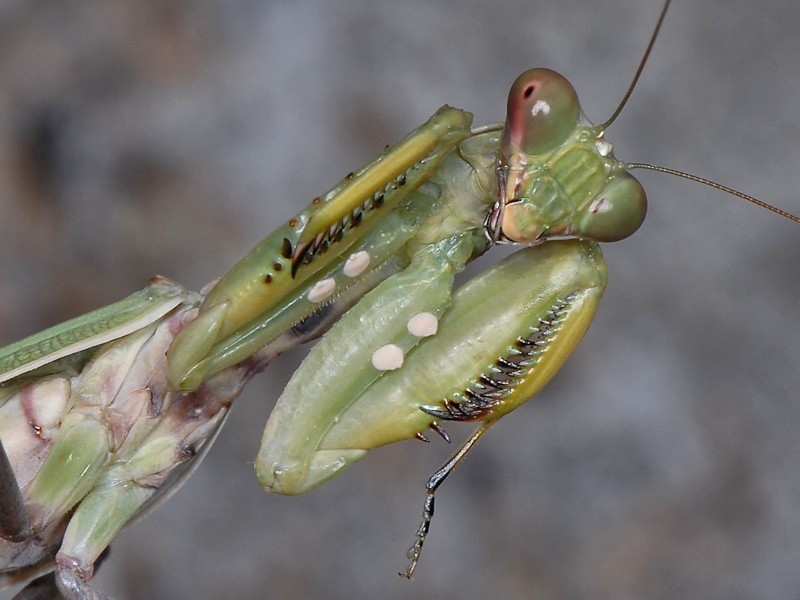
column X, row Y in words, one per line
column 168, row 136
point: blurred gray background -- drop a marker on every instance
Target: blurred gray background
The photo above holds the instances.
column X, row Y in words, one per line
column 168, row 136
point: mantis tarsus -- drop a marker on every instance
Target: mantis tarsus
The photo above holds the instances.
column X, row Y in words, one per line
column 671, row 250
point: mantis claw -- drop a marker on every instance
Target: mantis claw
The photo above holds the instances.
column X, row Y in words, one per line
column 440, row 430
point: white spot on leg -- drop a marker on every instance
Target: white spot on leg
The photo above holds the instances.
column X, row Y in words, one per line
column 356, row 264
column 423, row 324
column 388, row 358
column 321, row 290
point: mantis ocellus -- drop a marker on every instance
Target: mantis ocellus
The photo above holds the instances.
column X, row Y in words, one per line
column 288, row 432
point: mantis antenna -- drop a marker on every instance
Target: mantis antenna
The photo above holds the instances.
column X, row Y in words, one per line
column 603, row 126
column 669, row 171
column 716, row 186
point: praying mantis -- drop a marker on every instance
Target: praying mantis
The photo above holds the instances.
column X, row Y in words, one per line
column 668, row 246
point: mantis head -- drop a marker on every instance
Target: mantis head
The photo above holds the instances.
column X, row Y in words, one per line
column 545, row 142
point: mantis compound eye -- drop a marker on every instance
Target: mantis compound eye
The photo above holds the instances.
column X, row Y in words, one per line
column 616, row 213
column 542, row 111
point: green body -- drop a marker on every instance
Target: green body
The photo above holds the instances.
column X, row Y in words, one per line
column 90, row 330
column 356, row 410
column 129, row 395
column 97, row 440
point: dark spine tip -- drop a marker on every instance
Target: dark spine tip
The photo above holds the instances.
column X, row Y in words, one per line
column 299, row 254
